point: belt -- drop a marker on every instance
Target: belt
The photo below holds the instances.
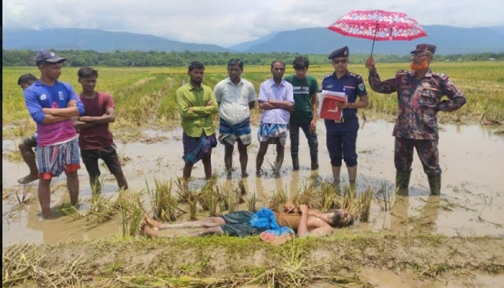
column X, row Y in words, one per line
column 344, row 119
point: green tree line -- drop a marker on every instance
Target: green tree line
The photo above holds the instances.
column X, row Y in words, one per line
column 79, row 58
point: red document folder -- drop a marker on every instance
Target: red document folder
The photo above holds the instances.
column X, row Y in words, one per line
column 329, row 109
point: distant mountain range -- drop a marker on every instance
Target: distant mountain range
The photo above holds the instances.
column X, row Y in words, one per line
column 94, row 39
column 449, row 40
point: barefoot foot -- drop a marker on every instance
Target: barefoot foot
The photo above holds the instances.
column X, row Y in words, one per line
column 28, row 179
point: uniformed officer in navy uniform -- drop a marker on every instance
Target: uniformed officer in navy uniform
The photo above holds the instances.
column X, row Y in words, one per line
column 342, row 134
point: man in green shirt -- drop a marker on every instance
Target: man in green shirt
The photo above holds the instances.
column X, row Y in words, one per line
column 305, row 111
column 197, row 105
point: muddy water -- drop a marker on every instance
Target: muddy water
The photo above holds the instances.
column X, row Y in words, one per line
column 472, row 200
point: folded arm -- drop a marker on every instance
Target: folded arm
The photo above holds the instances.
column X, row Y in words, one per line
column 80, row 124
column 108, row 117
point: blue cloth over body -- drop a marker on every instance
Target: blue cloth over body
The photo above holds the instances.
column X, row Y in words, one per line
column 265, row 219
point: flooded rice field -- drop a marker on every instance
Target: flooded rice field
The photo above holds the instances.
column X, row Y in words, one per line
column 471, row 203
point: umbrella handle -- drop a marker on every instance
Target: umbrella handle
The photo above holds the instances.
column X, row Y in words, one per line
column 374, row 38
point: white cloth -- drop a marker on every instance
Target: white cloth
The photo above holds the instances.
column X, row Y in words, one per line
column 234, row 100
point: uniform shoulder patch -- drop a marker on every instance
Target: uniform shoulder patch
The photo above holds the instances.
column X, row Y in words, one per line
column 354, row 75
column 361, row 86
column 441, row 75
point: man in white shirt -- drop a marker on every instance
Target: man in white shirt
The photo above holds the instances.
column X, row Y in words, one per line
column 236, row 97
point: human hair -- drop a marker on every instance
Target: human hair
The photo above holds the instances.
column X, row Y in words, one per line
column 300, row 62
column 86, row 72
column 195, row 65
column 26, row 78
column 277, row 61
column 336, row 221
column 234, row 62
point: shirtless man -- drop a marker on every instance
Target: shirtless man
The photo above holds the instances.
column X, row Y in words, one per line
column 304, row 221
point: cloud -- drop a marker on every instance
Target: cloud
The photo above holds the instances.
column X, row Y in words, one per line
column 226, row 22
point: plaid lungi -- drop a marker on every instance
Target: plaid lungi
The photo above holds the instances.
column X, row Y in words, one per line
column 229, row 133
column 195, row 148
column 56, row 159
column 268, row 132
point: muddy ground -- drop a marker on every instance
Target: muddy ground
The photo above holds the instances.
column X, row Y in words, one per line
column 471, row 205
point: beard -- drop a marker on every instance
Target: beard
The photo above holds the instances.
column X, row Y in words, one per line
column 197, row 81
column 421, row 66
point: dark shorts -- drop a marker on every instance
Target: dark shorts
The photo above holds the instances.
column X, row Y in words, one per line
column 31, row 141
column 107, row 154
column 238, row 224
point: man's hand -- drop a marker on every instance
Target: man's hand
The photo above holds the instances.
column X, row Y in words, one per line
column 84, row 118
column 290, row 109
column 72, row 103
column 209, row 103
column 289, row 207
column 313, row 124
column 370, row 64
column 342, row 105
column 303, row 209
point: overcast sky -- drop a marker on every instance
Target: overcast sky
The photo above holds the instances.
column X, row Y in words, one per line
column 227, row 22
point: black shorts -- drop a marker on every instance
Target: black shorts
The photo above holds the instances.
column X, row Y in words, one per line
column 31, row 141
column 107, row 154
column 238, row 224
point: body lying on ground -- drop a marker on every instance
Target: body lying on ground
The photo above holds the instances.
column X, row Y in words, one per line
column 302, row 221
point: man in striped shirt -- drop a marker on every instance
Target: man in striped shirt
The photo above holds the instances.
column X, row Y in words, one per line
column 52, row 104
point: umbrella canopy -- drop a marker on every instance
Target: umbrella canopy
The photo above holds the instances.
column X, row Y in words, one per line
column 378, row 25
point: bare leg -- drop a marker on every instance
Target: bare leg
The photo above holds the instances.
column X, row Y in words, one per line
column 207, row 164
column 209, row 231
column 44, row 195
column 146, row 230
column 228, row 158
column 280, row 157
column 187, row 171
column 73, row 187
column 242, row 149
column 205, row 223
column 29, row 158
column 263, row 148
column 121, row 181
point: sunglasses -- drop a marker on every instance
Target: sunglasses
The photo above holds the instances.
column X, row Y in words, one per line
column 342, row 61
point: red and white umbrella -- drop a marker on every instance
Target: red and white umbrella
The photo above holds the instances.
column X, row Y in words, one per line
column 378, row 25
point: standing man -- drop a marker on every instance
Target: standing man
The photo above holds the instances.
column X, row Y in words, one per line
column 419, row 95
column 342, row 134
column 305, row 111
column 95, row 139
column 277, row 99
column 27, row 145
column 197, row 105
column 236, row 97
column 52, row 104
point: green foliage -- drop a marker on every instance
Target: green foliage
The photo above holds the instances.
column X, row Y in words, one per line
column 79, row 58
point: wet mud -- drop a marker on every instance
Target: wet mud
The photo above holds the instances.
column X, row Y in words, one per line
column 471, row 203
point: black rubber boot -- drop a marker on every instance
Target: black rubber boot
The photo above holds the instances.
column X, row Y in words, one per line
column 314, row 161
column 434, row 183
column 295, row 162
column 402, row 179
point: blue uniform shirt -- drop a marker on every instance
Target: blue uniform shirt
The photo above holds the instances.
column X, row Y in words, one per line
column 353, row 86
